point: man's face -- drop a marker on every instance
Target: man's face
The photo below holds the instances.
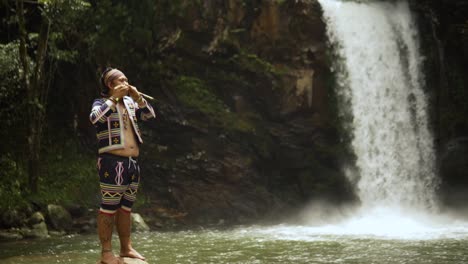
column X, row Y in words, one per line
column 122, row 79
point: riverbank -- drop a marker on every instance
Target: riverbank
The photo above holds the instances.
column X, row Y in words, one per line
column 55, row 221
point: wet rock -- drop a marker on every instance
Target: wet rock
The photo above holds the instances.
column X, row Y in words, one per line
column 130, row 261
column 134, row 261
column 77, row 211
column 138, row 224
column 36, row 218
column 85, row 224
column 453, row 160
column 59, row 218
column 13, row 218
column 454, row 172
column 10, row 235
column 53, row 233
column 86, row 229
column 37, row 231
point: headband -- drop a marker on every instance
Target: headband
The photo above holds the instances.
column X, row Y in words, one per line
column 112, row 75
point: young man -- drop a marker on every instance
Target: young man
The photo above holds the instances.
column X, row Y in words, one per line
column 115, row 117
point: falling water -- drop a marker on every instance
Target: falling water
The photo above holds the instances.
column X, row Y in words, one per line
column 378, row 69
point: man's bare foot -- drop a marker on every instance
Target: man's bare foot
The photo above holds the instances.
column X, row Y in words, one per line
column 131, row 253
column 109, row 258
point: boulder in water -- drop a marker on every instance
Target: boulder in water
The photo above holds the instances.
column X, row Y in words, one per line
column 130, row 261
column 134, row 261
column 10, row 235
column 37, row 231
column 59, row 218
column 53, row 233
column 36, row 218
column 138, row 224
column 12, row 218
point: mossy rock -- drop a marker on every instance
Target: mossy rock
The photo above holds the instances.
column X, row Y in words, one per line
column 196, row 94
column 58, row 217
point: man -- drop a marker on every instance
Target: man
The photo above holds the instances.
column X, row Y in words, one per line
column 115, row 117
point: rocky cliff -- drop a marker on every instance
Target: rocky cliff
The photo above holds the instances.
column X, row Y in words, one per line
column 247, row 124
column 444, row 36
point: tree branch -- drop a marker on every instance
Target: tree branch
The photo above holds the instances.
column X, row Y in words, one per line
column 22, row 48
column 41, row 57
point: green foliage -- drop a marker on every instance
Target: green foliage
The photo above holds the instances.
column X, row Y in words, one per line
column 131, row 32
column 280, row 2
column 70, row 176
column 252, row 63
column 60, row 54
column 12, row 187
column 66, row 16
column 11, row 94
column 62, row 10
column 195, row 94
column 9, row 72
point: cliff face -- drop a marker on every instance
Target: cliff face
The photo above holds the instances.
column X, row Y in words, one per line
column 444, row 34
column 247, row 123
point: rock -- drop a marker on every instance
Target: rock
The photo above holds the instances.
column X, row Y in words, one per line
column 130, row 261
column 454, row 172
column 36, row 218
column 453, row 161
column 86, row 229
column 77, row 211
column 12, row 218
column 37, row 231
column 57, row 233
column 10, row 235
column 262, row 131
column 85, row 224
column 158, row 224
column 134, row 261
column 58, row 218
column 138, row 224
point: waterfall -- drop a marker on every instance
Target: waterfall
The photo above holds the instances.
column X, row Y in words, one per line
column 378, row 71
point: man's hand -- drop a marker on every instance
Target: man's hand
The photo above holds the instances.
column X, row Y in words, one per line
column 120, row 91
column 133, row 92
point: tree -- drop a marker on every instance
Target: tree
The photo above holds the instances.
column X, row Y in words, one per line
column 33, row 80
column 38, row 65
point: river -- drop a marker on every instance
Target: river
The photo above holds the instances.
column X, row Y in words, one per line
column 274, row 244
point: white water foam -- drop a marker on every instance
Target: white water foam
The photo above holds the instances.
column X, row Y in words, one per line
column 368, row 226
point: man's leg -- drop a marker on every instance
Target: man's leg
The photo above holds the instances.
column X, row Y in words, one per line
column 111, row 194
column 123, row 217
column 124, row 223
column 105, row 224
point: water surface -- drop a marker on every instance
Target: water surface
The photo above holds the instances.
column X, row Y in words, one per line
column 276, row 244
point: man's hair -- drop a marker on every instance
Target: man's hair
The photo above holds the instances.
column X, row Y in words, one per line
column 104, row 88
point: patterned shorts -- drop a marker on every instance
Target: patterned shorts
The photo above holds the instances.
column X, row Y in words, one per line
column 119, row 178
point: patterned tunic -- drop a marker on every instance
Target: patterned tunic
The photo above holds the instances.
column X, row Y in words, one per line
column 109, row 123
